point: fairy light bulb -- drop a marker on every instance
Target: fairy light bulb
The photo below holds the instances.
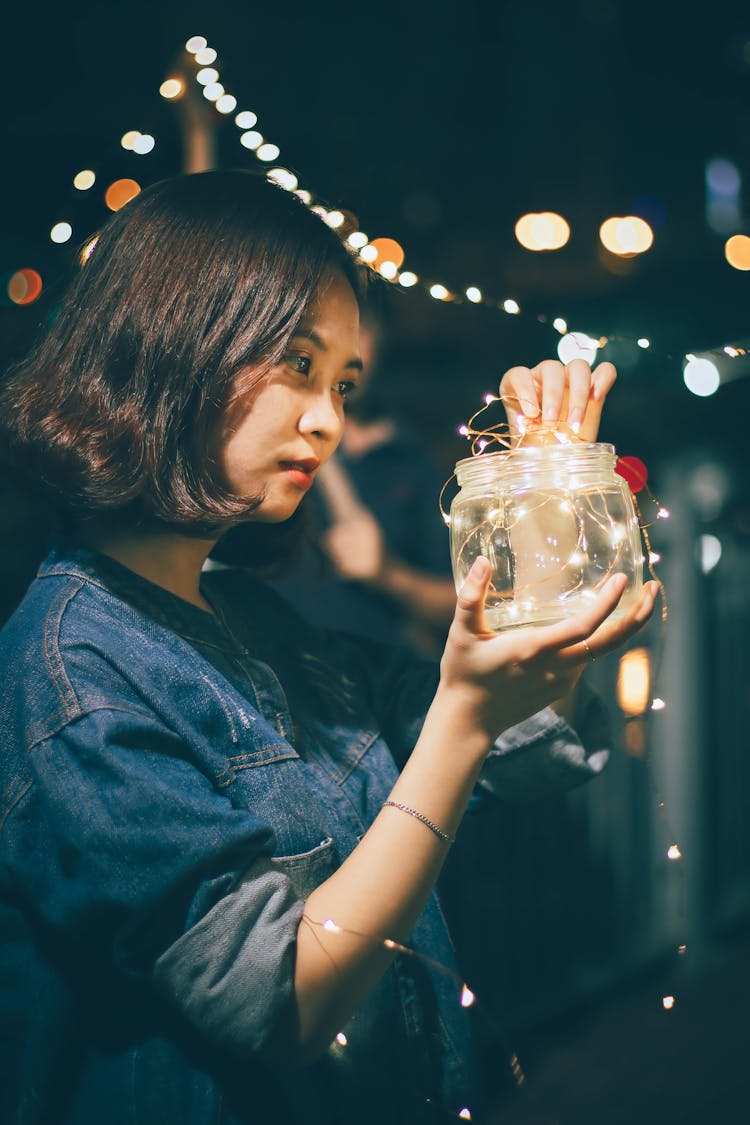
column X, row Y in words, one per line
column 84, row 180
column 577, row 345
column 673, row 852
column 368, row 253
column 357, row 239
column 172, row 88
column 701, row 377
column 283, row 177
column 668, row 1003
column 143, row 144
column 408, row 279
column 560, row 325
column 205, row 56
column 473, row 294
column 467, row 997
column 267, row 151
column 465, row 1114
column 643, row 342
column 206, row 76
column 213, row 91
column 61, row 232
column 226, row 103
column 335, row 219
column 658, row 704
column 439, row 292
column 245, row 119
column 195, row 43
column 251, row 139
column 512, row 307
column 388, row 270
column 341, row 1039
column 331, row 926
column 127, row 140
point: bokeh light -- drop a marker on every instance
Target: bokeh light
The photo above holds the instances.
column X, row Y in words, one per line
column 206, row 76
column 245, row 119
column 252, row 139
column 213, row 91
column 634, row 681
column 195, row 43
column 626, row 236
column 84, row 179
column 205, row 56
column 701, row 377
column 143, row 144
column 268, row 151
column 172, row 88
column 545, row 230
column 121, row 192
column 61, row 232
column 737, row 251
column 24, row 287
column 226, row 103
column 577, row 345
column 127, row 140
column 283, row 177
column 388, row 250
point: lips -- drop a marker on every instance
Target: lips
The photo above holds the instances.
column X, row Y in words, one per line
column 307, row 464
column 300, row 473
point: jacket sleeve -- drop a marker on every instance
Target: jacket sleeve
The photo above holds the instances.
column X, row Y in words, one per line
column 132, row 858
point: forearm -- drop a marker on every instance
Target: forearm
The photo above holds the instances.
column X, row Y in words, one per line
column 381, row 889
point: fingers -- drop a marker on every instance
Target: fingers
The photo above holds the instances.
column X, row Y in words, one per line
column 552, row 378
column 553, row 393
column 613, row 634
column 470, row 604
column 580, row 389
column 581, row 626
column 519, row 397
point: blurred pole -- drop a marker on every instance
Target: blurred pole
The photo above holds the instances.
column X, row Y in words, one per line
column 197, row 121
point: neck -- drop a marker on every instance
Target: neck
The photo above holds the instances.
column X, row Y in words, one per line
column 166, row 558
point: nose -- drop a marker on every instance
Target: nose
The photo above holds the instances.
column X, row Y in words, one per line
column 323, row 417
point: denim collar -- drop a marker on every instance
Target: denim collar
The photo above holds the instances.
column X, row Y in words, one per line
column 162, row 606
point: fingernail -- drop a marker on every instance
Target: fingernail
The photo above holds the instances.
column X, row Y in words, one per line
column 574, row 420
column 521, row 424
column 530, row 410
column 550, row 414
column 575, row 427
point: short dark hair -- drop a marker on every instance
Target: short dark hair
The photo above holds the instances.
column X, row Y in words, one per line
column 197, row 278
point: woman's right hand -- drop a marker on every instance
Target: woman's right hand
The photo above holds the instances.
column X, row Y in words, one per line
column 498, row 679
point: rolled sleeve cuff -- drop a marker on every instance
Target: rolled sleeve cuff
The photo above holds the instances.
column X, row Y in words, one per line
column 232, row 974
column 544, row 756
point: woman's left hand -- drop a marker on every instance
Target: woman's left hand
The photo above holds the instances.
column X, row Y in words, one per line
column 554, row 396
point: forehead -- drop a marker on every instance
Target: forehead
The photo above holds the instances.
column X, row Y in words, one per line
column 334, row 306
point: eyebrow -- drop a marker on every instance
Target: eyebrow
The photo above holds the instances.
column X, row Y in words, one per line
column 312, row 335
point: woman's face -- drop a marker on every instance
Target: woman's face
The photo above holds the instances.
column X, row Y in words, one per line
column 273, row 446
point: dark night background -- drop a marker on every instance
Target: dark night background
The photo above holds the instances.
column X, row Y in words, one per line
column 439, row 125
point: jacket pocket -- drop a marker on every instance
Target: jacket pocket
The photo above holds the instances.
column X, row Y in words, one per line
column 308, row 870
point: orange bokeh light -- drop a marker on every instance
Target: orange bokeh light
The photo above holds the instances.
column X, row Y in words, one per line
column 120, row 192
column 24, row 287
column 389, row 251
column 737, row 251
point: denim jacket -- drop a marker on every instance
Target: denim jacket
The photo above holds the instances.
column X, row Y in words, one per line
column 173, row 786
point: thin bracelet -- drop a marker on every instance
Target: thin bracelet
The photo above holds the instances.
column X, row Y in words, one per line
column 425, row 820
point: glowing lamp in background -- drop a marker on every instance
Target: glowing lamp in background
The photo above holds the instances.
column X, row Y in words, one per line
column 24, row 287
column 543, row 231
column 283, row 177
column 121, row 192
column 245, row 119
column 737, row 251
column 127, row 140
column 172, row 88
column 634, row 682
column 388, row 250
column 205, row 56
column 577, row 345
column 626, row 236
column 701, row 377
column 195, row 43
column 84, row 180
column 61, row 232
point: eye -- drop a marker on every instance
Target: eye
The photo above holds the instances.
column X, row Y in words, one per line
column 299, row 363
column 345, row 388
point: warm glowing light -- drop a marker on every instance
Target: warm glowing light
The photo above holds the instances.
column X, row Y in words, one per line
column 331, row 926
column 195, row 43
column 388, row 250
column 709, row 552
column 626, row 236
column 267, row 151
column 668, row 1003
column 61, row 232
column 543, row 231
column 658, row 704
column 24, row 287
column 226, row 103
column 341, row 1039
column 737, row 251
column 205, row 56
column 643, row 342
column 634, row 681
column 251, row 139
column 439, row 292
column 120, row 192
column 368, row 253
column 143, row 144
column 511, row 306
column 172, row 88
column 357, row 239
column 213, row 91
column 473, row 294
column 673, row 852
column 467, row 997
column 463, row 431
column 206, row 76
column 335, row 219
column 654, row 558
column 465, row 1114
column 84, row 180
column 283, row 177
column 577, row 345
column 388, row 270
column 304, row 196
column 701, row 377
column 488, row 398
column 560, row 324
column 127, row 140
column 245, row 119
column 407, row 279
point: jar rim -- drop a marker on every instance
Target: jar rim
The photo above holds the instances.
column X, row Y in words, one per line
column 525, row 454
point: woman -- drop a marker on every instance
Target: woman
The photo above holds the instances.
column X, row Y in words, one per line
column 211, row 813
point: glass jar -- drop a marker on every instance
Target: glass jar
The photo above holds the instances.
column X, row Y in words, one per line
column 555, row 523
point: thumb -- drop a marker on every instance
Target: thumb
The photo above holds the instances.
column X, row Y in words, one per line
column 470, row 605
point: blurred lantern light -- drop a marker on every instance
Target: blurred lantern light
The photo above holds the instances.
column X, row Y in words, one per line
column 512, row 307
column 268, row 151
column 577, row 345
column 127, row 140
column 368, row 253
column 439, row 292
column 658, row 705
column 335, row 219
column 226, row 103
column 206, row 76
column 737, row 251
column 388, row 250
column 388, row 270
column 172, row 88
column 626, row 236
column 283, row 177
column 643, row 342
column 195, row 43
column 61, row 232
column 143, row 144
column 560, row 324
column 709, row 552
column 357, row 239
column 213, row 91
column 205, row 56
column 24, row 287
column 668, row 1003
column 701, row 377
column 84, row 180
column 321, row 211
column 251, row 139
column 542, row 231
column 723, row 177
column 305, row 196
column 245, row 119
column 634, row 681
column 407, row 279
column 473, row 294
column 121, row 192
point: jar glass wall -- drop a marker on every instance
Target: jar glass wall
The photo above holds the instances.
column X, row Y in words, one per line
column 555, row 523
